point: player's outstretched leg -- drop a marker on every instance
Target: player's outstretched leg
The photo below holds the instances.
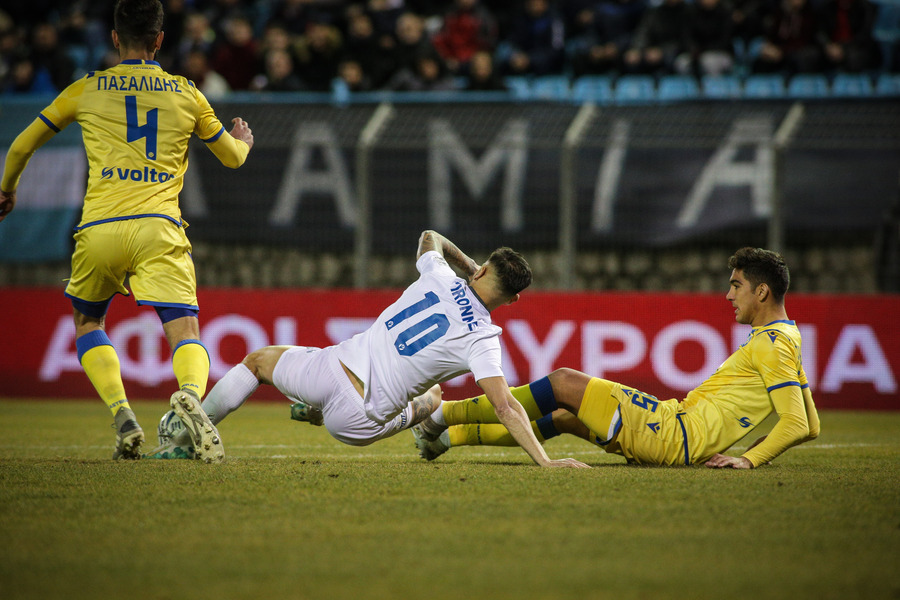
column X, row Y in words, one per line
column 204, row 435
column 129, row 435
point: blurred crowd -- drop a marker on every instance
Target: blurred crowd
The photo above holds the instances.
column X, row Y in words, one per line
column 417, row 45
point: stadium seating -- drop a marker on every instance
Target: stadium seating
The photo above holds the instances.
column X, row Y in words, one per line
column 550, row 87
column 721, row 87
column 677, row 87
column 635, row 89
column 888, row 85
column 593, row 88
column 519, row 87
column 808, row 86
column 846, row 85
column 764, row 86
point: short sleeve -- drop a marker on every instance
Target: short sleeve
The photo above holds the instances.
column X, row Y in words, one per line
column 485, row 358
column 433, row 262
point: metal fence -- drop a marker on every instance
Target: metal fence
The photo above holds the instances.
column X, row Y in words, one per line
column 597, row 196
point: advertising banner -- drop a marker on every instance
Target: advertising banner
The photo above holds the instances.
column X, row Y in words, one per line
column 662, row 344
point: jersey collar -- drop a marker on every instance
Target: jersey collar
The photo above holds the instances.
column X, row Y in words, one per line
column 137, row 61
column 782, row 321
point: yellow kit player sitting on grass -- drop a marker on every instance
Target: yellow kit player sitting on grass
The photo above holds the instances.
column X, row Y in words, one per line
column 136, row 121
column 764, row 374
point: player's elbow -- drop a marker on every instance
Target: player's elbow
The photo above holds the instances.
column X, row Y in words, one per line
column 233, row 162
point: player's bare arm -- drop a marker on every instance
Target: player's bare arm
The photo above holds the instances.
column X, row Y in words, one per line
column 432, row 240
column 513, row 417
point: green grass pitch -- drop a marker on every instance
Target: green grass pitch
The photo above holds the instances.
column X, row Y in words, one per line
column 294, row 514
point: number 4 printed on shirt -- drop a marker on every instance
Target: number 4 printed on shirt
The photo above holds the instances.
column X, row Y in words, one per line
column 147, row 130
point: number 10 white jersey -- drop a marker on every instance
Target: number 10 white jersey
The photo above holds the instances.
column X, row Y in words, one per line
column 438, row 329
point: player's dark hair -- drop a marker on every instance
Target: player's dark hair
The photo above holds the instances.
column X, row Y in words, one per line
column 511, row 269
column 763, row 266
column 138, row 22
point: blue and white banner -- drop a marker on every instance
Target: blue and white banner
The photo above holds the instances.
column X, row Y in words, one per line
column 48, row 206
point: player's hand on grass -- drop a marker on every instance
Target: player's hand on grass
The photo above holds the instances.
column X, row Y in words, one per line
column 241, row 131
column 569, row 463
column 7, row 203
column 721, row 461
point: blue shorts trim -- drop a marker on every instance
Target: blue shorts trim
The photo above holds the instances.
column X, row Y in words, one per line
column 178, row 222
column 687, row 454
column 153, row 303
column 91, row 340
column 170, row 313
column 97, row 310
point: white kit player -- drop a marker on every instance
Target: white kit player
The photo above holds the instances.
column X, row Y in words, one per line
column 384, row 380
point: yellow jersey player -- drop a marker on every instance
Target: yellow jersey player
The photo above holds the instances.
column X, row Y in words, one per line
column 764, row 374
column 136, row 122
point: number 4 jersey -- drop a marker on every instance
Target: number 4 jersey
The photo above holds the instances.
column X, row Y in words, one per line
column 136, row 121
column 438, row 329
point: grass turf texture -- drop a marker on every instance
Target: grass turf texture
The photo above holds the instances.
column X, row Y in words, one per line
column 294, row 514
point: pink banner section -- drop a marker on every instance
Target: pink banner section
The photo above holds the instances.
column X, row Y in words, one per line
column 662, row 344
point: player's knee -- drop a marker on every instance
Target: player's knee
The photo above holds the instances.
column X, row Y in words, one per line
column 568, row 386
column 262, row 362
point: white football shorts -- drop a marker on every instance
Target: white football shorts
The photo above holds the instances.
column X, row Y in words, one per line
column 315, row 376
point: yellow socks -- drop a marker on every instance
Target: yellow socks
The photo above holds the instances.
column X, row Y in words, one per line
column 497, row 435
column 100, row 362
column 536, row 398
column 190, row 362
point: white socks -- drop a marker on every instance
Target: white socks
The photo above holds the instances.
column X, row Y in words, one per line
column 438, row 415
column 229, row 393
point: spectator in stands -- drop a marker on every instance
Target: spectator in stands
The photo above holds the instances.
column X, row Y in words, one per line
column 236, row 56
column 428, row 74
column 10, row 41
column 197, row 69
column 746, row 18
column 609, row 33
column 468, row 29
column 384, row 14
column 710, row 47
column 279, row 75
column 659, row 39
column 198, row 36
column 579, row 16
column 318, row 54
column 845, row 35
column 25, row 79
column 790, row 40
column 482, row 75
column 411, row 42
column 47, row 56
column 222, row 12
column 353, row 76
column 363, row 48
column 536, row 41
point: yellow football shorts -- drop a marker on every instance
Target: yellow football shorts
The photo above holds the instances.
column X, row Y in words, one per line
column 151, row 254
column 650, row 431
